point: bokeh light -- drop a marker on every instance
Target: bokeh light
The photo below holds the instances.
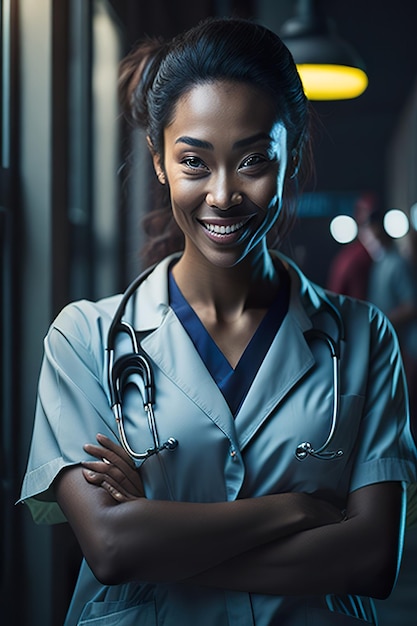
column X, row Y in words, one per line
column 343, row 228
column 396, row 223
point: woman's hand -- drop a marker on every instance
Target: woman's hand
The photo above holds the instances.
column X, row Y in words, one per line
column 114, row 471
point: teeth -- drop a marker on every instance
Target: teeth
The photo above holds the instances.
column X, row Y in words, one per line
column 223, row 230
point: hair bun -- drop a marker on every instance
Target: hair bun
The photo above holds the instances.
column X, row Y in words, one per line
column 136, row 75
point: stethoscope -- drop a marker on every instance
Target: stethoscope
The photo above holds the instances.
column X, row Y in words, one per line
column 119, row 371
column 305, row 448
column 138, row 363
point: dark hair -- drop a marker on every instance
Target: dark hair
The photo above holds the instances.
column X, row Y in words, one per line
column 156, row 74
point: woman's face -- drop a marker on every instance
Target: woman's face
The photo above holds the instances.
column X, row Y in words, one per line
column 225, row 160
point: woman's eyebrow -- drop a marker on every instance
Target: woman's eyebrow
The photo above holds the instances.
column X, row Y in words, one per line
column 195, row 143
column 206, row 145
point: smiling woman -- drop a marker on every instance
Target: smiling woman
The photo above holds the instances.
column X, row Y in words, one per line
column 225, row 158
column 224, row 523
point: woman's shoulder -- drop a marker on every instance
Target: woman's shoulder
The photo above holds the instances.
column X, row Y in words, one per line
column 365, row 325
column 82, row 319
column 317, row 294
column 353, row 312
column 350, row 306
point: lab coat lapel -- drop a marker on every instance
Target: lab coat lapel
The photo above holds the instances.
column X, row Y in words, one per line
column 287, row 361
column 172, row 350
column 175, row 355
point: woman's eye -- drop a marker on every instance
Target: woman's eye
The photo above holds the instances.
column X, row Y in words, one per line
column 193, row 163
column 253, row 160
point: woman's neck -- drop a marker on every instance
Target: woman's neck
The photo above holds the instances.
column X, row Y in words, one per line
column 228, row 292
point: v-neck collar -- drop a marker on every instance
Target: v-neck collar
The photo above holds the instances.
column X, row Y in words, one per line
column 234, row 383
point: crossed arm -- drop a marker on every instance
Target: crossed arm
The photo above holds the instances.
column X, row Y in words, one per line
column 286, row 544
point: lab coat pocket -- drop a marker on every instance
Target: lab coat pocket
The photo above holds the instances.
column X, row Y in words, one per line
column 118, row 614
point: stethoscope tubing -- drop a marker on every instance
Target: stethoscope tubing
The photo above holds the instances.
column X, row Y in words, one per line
column 305, row 448
column 136, row 362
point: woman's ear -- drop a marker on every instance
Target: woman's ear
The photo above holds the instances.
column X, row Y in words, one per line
column 156, row 158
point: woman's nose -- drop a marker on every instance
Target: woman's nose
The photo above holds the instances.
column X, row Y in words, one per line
column 222, row 197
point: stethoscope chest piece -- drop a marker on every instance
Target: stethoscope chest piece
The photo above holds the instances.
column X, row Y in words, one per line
column 305, row 449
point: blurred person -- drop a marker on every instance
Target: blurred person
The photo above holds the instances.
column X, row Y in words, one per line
column 374, row 269
column 391, row 284
column 349, row 270
column 392, row 287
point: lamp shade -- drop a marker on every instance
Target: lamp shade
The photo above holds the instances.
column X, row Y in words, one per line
column 330, row 68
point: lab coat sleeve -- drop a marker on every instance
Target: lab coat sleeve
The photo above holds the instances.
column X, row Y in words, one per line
column 385, row 448
column 72, row 406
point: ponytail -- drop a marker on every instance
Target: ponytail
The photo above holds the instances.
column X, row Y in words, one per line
column 137, row 72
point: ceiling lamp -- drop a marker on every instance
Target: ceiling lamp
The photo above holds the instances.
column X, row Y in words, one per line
column 329, row 67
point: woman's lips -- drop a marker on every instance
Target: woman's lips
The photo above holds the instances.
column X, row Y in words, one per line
column 223, row 230
column 226, row 226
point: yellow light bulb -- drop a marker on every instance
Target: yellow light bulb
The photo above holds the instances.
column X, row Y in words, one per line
column 332, row 82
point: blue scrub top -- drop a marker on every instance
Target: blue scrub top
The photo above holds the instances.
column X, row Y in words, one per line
column 221, row 455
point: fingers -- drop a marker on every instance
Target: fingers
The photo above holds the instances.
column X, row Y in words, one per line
column 108, row 457
column 130, row 484
column 102, row 467
column 114, row 464
column 113, row 451
column 112, row 454
column 103, row 481
column 115, row 448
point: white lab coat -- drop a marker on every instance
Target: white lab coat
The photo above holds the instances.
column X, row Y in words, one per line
column 218, row 457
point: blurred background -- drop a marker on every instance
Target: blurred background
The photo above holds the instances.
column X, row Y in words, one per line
column 75, row 183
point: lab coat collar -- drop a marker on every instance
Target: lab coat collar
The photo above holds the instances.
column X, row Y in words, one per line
column 151, row 303
column 306, row 299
